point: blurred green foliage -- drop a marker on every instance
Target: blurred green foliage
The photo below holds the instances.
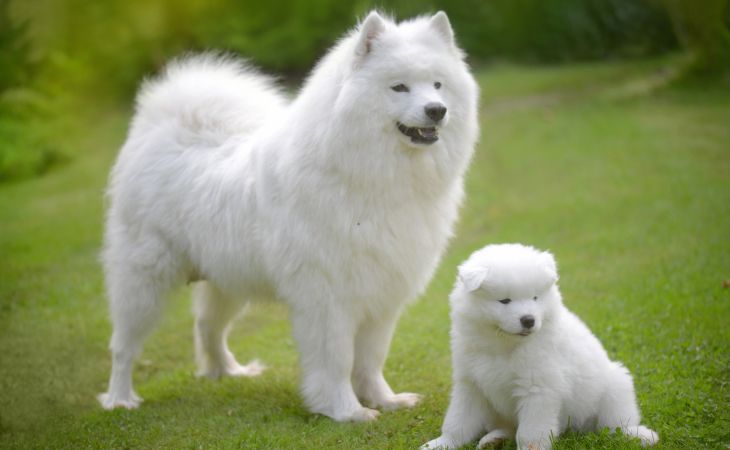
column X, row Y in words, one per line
column 704, row 30
column 561, row 30
column 57, row 55
column 25, row 149
column 117, row 41
column 15, row 50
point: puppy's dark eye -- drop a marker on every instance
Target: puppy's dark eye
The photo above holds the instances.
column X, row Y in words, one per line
column 437, row 85
column 534, row 298
column 504, row 301
column 400, row 87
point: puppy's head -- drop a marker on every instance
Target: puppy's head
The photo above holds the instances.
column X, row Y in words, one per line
column 509, row 287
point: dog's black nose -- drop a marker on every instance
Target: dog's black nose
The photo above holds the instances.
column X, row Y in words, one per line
column 527, row 321
column 436, row 111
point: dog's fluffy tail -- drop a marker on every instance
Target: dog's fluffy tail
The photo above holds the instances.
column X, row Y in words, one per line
column 209, row 98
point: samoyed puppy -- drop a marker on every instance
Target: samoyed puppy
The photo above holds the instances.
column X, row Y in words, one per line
column 524, row 366
column 339, row 203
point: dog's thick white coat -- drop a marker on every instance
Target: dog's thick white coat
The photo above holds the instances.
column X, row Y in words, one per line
column 524, row 366
column 321, row 202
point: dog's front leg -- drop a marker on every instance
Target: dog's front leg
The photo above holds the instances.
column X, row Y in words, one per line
column 371, row 349
column 538, row 422
column 325, row 334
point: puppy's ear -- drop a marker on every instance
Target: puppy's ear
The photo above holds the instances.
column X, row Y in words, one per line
column 472, row 277
column 440, row 23
column 370, row 28
column 551, row 267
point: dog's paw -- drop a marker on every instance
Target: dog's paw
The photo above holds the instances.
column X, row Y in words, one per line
column 252, row 369
column 493, row 438
column 109, row 401
column 233, row 369
column 398, row 401
column 359, row 415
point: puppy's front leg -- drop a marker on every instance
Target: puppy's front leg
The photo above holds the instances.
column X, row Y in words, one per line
column 467, row 417
column 538, row 422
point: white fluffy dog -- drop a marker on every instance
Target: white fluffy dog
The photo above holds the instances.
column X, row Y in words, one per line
column 339, row 203
column 523, row 364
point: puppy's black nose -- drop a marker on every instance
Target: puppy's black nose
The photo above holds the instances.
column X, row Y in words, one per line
column 527, row 321
column 436, row 111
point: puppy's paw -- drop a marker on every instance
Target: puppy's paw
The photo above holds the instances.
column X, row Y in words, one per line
column 109, row 401
column 648, row 437
column 493, row 438
column 398, row 401
column 439, row 443
column 534, row 443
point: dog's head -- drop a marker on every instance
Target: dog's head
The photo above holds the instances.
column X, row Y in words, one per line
column 410, row 80
column 509, row 287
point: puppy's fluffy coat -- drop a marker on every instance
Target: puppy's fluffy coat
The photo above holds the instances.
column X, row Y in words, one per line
column 339, row 203
column 523, row 364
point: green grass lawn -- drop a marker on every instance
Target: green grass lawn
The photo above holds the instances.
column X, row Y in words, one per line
column 626, row 182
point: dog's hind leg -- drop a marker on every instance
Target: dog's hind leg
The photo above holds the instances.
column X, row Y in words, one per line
column 214, row 314
column 618, row 408
column 135, row 309
column 138, row 279
column 371, row 349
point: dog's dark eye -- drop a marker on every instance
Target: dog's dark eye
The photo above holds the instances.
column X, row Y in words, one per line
column 400, row 87
column 437, row 85
column 534, row 298
column 504, row 301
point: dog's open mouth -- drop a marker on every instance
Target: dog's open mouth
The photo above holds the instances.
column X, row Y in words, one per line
column 424, row 135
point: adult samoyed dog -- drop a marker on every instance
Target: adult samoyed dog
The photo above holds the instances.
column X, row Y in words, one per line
column 523, row 364
column 339, row 203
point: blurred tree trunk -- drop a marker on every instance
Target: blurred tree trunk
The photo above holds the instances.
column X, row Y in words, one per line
column 701, row 27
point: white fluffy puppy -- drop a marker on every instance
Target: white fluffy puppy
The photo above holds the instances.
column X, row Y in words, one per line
column 523, row 364
column 339, row 203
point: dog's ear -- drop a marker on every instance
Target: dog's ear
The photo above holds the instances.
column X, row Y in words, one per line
column 370, row 28
column 472, row 277
column 551, row 266
column 440, row 23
